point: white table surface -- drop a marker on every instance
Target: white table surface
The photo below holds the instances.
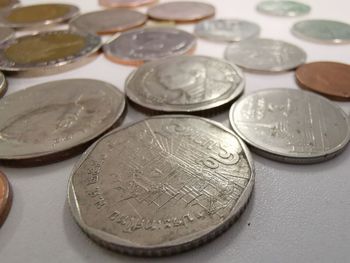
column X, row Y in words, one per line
column 298, row 213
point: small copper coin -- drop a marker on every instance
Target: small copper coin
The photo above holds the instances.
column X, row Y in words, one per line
column 5, row 197
column 331, row 79
column 182, row 11
column 125, row 3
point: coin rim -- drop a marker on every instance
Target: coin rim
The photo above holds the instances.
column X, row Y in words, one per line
column 9, row 33
column 5, row 207
column 295, row 14
column 105, row 3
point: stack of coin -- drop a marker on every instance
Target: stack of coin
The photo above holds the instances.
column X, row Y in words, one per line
column 5, row 198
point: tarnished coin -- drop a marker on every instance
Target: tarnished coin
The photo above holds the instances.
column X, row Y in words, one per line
column 186, row 11
column 291, row 125
column 140, row 45
column 46, row 50
column 3, row 84
column 6, row 33
column 125, row 3
column 185, row 84
column 54, row 120
column 108, row 21
column 162, row 185
column 266, row 55
column 324, row 31
column 5, row 197
column 8, row 3
column 283, row 8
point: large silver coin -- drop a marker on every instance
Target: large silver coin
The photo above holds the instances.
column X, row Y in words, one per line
column 47, row 122
column 162, row 185
column 324, row 31
column 140, row 45
column 291, row 125
column 283, row 8
column 266, row 55
column 185, row 84
column 3, row 84
column 230, row 30
column 6, row 33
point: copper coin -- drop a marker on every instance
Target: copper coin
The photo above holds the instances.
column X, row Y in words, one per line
column 5, row 197
column 125, row 3
column 331, row 79
column 181, row 11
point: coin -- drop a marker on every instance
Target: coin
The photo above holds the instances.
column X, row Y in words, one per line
column 185, row 84
column 46, row 50
column 125, row 3
column 162, row 185
column 291, row 125
column 140, row 45
column 3, row 84
column 5, row 197
column 108, row 21
column 230, row 30
column 5, row 34
column 37, row 15
column 283, row 8
column 328, row 78
column 8, row 3
column 54, row 120
column 266, row 55
column 182, row 11
column 324, row 31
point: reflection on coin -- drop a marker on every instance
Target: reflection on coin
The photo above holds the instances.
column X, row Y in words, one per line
column 162, row 185
column 3, row 84
column 108, row 21
column 329, row 78
column 181, row 11
column 56, row 119
column 8, row 3
column 5, row 34
column 266, row 55
column 5, row 197
column 46, row 49
column 324, row 31
column 290, row 125
column 230, row 30
column 283, row 8
column 185, row 84
column 140, row 45
column 125, row 3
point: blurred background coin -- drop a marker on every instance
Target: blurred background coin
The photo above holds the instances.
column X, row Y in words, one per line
column 125, row 3
column 5, row 34
column 283, row 8
column 8, row 3
column 5, row 197
column 3, row 84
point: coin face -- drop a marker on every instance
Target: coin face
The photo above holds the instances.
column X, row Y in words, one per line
column 283, row 8
column 266, row 55
column 6, row 34
column 3, row 84
column 181, row 11
column 108, row 21
column 290, row 125
column 46, row 49
column 5, row 197
column 140, row 45
column 230, row 30
column 125, row 3
column 162, row 185
column 185, row 84
column 47, row 121
column 37, row 15
column 324, row 31
column 8, row 3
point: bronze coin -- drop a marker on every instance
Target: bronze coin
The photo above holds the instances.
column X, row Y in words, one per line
column 331, row 79
column 125, row 3
column 5, row 197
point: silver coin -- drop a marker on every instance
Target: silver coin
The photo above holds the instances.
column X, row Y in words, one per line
column 3, row 84
column 230, row 30
column 266, row 55
column 185, row 84
column 162, row 185
column 6, row 33
column 140, row 45
column 48, row 121
column 290, row 125
column 283, row 8
column 324, row 31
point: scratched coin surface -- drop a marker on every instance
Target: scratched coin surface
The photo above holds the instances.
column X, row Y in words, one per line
column 6, row 33
column 53, row 119
column 185, row 84
column 8, row 3
column 162, row 185
column 140, row 45
column 108, row 21
column 291, row 125
column 3, row 84
column 229, row 30
column 125, row 3
column 5, row 197
column 283, row 8
column 185, row 11
column 266, row 55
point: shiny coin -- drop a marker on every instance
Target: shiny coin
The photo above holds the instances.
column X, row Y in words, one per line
column 185, row 84
column 3, row 84
column 108, row 21
column 46, row 50
column 51, row 121
column 230, row 30
column 266, row 55
column 6, row 34
column 283, row 8
column 324, row 31
column 125, row 3
column 8, row 3
column 5, row 197
column 181, row 11
column 162, row 185
column 140, row 45
column 290, row 125
column 328, row 78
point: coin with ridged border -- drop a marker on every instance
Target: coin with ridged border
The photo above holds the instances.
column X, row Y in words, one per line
column 125, row 3
column 8, row 3
column 5, row 197
column 283, row 8
column 3, row 84
column 6, row 33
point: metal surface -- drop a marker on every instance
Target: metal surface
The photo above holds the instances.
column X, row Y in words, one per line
column 283, row 8
column 266, row 55
column 125, row 3
column 3, row 84
column 5, row 197
column 291, row 125
column 8, row 3
column 185, row 84
column 5, row 34
column 162, row 185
